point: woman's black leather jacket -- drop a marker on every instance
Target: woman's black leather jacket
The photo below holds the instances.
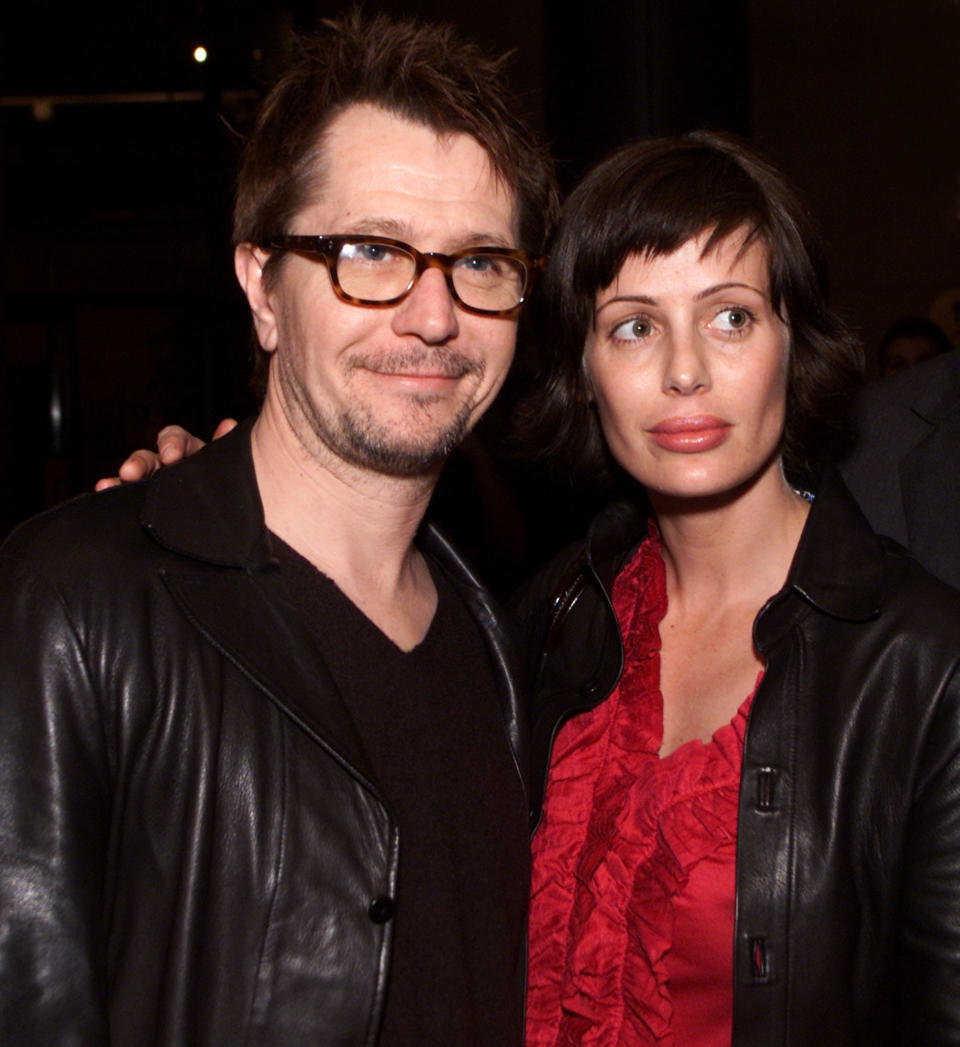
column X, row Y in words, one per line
column 848, row 847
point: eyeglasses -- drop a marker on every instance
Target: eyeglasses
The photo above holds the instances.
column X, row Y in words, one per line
column 380, row 271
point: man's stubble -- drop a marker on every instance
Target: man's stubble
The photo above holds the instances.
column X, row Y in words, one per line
column 356, row 437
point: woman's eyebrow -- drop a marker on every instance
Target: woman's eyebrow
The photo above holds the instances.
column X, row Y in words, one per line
column 643, row 299
column 725, row 287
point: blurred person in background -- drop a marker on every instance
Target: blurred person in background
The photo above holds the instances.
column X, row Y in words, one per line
column 910, row 341
column 905, row 460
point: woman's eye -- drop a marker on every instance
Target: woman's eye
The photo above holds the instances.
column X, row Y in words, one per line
column 633, row 330
column 732, row 319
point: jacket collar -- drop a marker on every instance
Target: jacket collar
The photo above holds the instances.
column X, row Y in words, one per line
column 837, row 566
column 208, row 507
column 207, row 511
column 613, row 536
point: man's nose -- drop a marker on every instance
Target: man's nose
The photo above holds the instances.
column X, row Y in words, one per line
column 686, row 368
column 428, row 311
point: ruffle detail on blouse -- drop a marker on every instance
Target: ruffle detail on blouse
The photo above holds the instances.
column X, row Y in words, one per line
column 621, row 831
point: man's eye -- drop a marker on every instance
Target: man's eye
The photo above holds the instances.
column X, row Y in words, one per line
column 372, row 252
column 481, row 263
column 734, row 318
column 633, row 330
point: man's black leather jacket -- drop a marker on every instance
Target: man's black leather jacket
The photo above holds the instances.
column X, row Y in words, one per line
column 188, row 855
column 848, row 847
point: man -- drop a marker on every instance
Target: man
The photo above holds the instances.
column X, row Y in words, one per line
column 904, row 466
column 911, row 340
column 261, row 772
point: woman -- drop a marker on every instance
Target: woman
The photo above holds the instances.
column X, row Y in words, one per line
column 748, row 702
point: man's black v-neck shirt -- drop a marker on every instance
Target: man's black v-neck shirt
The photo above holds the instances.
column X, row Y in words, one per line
column 431, row 725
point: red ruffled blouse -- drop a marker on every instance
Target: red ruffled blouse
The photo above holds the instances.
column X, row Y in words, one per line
column 632, row 910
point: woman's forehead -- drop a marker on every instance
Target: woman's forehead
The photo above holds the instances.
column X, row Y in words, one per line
column 739, row 252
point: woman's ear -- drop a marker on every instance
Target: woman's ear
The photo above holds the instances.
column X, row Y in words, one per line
column 248, row 263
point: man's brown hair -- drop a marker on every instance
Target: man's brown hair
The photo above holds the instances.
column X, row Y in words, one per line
column 422, row 72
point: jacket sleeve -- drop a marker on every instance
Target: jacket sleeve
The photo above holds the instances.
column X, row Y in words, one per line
column 54, row 823
column 929, row 971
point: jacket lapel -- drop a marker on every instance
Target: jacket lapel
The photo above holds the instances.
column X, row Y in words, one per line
column 207, row 510
column 501, row 646
column 247, row 617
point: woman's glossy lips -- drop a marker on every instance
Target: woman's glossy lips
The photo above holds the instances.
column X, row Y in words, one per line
column 690, row 435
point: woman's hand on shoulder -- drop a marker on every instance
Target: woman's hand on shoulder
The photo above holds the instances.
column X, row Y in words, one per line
column 173, row 444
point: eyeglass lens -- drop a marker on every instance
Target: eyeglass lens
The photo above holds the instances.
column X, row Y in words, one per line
column 379, row 272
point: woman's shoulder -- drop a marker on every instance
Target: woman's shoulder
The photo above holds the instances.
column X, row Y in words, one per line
column 543, row 586
column 851, row 572
column 873, row 591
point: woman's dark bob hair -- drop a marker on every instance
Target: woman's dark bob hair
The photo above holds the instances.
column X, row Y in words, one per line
column 649, row 199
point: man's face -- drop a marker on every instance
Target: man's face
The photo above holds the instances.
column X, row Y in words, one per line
column 387, row 389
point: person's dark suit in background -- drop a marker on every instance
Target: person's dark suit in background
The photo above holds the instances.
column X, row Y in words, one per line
column 904, row 468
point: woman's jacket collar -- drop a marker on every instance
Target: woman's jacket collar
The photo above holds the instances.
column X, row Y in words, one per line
column 837, row 566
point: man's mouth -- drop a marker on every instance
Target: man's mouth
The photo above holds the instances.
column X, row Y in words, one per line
column 419, row 366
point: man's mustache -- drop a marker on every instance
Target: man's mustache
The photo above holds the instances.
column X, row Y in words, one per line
column 446, row 362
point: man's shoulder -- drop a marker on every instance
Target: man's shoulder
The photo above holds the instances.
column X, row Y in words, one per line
column 204, row 509
column 893, row 415
column 906, row 449
column 922, row 388
column 97, row 526
column 81, row 559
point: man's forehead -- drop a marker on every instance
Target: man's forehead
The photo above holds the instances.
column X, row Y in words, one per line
column 380, row 172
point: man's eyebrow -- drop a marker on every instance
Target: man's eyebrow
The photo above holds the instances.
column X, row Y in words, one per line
column 382, row 226
column 398, row 230
column 487, row 240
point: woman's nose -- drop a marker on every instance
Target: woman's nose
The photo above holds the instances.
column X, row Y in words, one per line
column 686, row 369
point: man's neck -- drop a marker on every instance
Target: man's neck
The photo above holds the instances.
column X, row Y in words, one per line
column 354, row 525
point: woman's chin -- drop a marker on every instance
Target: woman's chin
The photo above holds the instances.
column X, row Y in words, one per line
column 704, row 491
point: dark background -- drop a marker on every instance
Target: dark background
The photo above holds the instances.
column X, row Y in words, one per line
column 118, row 310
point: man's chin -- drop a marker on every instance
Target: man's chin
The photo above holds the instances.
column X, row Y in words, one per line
column 400, row 463
column 390, row 455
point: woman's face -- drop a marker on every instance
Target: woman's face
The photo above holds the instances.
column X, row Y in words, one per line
column 687, row 362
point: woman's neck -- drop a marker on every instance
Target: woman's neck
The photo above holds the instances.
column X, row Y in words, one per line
column 733, row 548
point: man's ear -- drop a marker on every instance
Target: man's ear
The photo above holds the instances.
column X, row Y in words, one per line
column 248, row 263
